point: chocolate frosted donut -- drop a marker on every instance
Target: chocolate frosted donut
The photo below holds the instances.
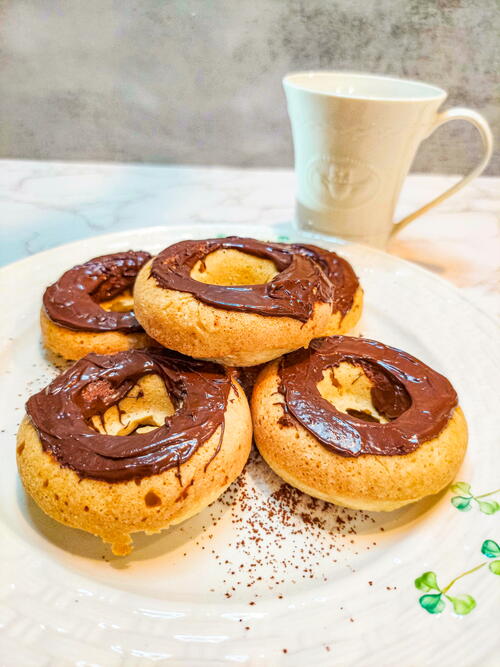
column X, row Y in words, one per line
column 242, row 302
column 416, row 400
column 133, row 441
column 358, row 423
column 89, row 309
column 305, row 275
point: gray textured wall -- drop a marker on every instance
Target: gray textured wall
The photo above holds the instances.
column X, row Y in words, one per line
column 199, row 81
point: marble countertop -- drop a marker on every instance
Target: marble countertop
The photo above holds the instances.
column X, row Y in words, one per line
column 45, row 204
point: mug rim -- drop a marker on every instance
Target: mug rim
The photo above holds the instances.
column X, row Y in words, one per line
column 439, row 93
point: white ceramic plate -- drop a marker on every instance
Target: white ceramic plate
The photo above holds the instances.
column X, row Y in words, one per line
column 265, row 576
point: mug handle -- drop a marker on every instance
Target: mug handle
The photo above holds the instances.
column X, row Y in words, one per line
column 480, row 123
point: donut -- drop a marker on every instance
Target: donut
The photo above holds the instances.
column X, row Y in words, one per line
column 359, row 424
column 135, row 441
column 242, row 302
column 89, row 309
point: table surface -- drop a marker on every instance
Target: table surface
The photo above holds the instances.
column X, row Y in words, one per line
column 45, row 204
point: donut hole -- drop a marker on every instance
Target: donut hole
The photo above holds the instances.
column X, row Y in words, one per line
column 358, row 393
column 230, row 267
column 121, row 303
column 144, row 408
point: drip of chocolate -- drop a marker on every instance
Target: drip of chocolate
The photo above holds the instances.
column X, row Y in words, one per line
column 73, row 301
column 417, row 401
column 61, row 413
column 307, row 275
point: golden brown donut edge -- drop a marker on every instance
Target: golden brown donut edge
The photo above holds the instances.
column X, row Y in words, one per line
column 113, row 511
column 368, row 482
column 181, row 322
column 74, row 345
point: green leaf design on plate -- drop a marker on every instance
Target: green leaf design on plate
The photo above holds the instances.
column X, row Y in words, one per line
column 488, row 506
column 283, row 238
column 432, row 603
column 490, row 549
column 462, row 604
column 465, row 499
column 460, row 487
column 427, row 582
column 495, row 567
column 461, row 503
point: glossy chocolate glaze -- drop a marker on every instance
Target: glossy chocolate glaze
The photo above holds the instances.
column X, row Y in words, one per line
column 73, row 300
column 417, row 401
column 62, row 411
column 307, row 275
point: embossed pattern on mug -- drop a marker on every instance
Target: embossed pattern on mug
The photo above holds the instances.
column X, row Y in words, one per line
column 341, row 181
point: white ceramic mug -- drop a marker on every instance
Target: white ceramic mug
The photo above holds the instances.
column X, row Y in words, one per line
column 355, row 137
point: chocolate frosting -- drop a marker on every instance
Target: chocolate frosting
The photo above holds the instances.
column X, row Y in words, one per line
column 417, row 401
column 307, row 275
column 62, row 411
column 73, row 301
